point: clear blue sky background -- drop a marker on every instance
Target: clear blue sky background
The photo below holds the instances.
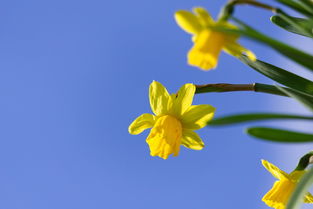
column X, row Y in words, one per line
column 73, row 76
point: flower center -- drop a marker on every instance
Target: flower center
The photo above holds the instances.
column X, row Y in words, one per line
column 165, row 137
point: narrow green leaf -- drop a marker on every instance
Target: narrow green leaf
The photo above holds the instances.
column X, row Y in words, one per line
column 302, row 98
column 248, row 117
column 269, row 89
column 307, row 5
column 299, row 26
column 301, row 190
column 279, row 135
column 280, row 75
column 296, row 55
column 298, row 6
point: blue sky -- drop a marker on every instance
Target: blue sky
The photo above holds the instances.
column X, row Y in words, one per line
column 74, row 74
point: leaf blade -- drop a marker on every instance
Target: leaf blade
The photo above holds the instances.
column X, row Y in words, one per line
column 297, row 6
column 300, row 26
column 279, row 135
column 280, row 75
column 249, row 117
column 306, row 100
column 293, row 53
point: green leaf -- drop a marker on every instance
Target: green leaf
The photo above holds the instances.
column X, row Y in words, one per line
column 299, row 6
column 301, row 190
column 307, row 4
column 299, row 26
column 281, row 76
column 242, row 118
column 302, row 98
column 279, row 135
column 269, row 89
column 296, row 55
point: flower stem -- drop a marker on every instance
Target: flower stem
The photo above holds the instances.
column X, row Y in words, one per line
column 256, row 4
column 227, row 11
column 223, row 87
column 226, row 87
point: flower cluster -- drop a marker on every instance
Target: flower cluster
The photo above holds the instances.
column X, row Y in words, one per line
column 175, row 118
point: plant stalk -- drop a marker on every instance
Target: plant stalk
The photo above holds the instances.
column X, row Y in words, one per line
column 256, row 4
column 226, row 87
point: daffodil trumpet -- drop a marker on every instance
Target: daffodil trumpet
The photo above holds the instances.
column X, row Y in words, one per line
column 208, row 43
column 174, row 120
column 282, row 189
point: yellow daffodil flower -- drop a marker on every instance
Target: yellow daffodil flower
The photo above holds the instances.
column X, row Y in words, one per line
column 208, row 43
column 174, row 120
column 282, row 189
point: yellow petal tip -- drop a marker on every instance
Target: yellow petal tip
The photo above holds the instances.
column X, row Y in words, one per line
column 187, row 21
column 251, row 56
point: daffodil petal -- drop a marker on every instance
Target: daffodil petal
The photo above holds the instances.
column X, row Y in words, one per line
column 308, row 198
column 192, row 140
column 141, row 123
column 237, row 50
column 197, row 116
column 159, row 98
column 188, row 21
column 183, row 99
column 204, row 17
column 251, row 55
column 173, row 96
column 275, row 171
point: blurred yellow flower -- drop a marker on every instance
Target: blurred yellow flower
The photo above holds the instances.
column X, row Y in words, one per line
column 282, row 189
column 207, row 42
column 174, row 120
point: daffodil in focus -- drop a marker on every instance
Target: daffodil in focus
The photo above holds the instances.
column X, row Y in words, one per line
column 282, row 189
column 174, row 121
column 208, row 43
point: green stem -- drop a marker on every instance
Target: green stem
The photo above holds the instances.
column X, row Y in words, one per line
column 269, row 89
column 228, row 9
column 256, row 4
column 226, row 87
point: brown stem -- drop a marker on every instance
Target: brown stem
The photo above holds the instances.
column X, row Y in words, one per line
column 224, row 87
